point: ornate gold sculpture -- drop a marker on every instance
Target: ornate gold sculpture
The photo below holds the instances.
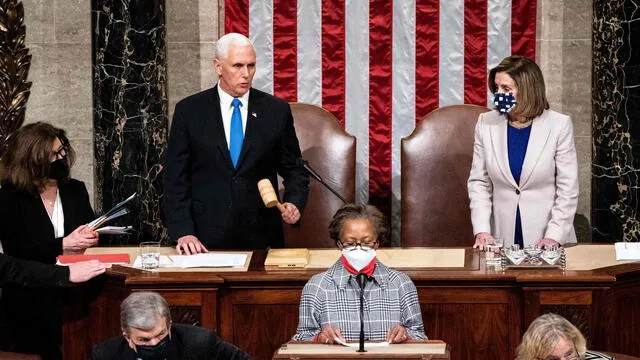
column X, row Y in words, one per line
column 14, row 68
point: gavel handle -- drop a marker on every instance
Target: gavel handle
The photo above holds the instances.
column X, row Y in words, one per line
column 280, row 207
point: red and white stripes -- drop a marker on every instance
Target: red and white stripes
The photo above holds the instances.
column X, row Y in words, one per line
column 379, row 65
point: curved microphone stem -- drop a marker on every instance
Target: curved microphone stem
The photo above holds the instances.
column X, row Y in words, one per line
column 305, row 164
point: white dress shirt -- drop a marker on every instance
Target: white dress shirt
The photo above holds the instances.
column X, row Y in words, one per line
column 57, row 217
column 227, row 111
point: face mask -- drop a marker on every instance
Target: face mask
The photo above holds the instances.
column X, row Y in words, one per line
column 59, row 169
column 154, row 352
column 504, row 102
column 359, row 256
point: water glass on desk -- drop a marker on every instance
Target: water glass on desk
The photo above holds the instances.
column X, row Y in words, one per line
column 492, row 253
column 150, row 254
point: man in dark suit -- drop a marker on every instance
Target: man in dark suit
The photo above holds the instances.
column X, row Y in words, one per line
column 222, row 142
column 148, row 334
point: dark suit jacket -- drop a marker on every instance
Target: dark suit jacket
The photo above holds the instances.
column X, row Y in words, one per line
column 188, row 343
column 205, row 196
column 31, row 273
column 26, row 233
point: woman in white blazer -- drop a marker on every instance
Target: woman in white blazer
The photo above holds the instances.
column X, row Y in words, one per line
column 523, row 185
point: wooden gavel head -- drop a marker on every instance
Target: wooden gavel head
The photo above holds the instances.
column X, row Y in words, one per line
column 268, row 194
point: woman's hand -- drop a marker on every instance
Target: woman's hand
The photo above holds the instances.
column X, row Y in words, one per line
column 547, row 242
column 80, row 239
column 328, row 334
column 83, row 271
column 482, row 239
column 398, row 334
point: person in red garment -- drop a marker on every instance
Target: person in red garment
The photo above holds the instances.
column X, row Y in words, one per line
column 329, row 302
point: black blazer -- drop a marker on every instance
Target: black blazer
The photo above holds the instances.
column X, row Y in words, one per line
column 31, row 274
column 26, row 231
column 205, row 196
column 189, row 343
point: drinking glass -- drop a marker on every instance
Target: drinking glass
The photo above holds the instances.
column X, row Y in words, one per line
column 551, row 254
column 492, row 253
column 150, row 254
column 515, row 255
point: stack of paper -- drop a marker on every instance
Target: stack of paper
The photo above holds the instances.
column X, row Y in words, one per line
column 627, row 251
column 119, row 210
column 199, row 260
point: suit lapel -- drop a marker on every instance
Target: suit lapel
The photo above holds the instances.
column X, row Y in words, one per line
column 252, row 132
column 500, row 149
column 540, row 131
column 214, row 118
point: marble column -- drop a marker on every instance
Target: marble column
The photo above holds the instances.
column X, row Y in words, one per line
column 616, row 121
column 130, row 110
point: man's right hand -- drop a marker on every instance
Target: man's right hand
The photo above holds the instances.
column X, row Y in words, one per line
column 482, row 239
column 83, row 271
column 328, row 334
column 189, row 245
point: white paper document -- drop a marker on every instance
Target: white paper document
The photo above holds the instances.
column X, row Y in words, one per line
column 198, row 260
column 115, row 230
column 627, row 251
column 366, row 344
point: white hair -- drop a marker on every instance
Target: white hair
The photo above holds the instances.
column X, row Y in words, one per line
column 222, row 45
column 141, row 310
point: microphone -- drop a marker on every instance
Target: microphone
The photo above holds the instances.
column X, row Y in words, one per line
column 305, row 164
column 362, row 281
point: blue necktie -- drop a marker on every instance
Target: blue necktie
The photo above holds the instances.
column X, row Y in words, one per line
column 235, row 136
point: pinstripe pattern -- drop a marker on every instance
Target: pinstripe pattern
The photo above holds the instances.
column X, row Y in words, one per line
column 333, row 298
column 592, row 355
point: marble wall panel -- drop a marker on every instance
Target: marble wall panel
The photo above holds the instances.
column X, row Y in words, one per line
column 616, row 121
column 58, row 38
column 564, row 55
column 130, row 109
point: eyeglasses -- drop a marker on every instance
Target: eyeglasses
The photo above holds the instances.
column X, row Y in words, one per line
column 572, row 356
column 351, row 245
column 61, row 152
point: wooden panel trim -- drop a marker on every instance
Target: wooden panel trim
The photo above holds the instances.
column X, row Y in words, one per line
column 566, row 298
column 463, row 295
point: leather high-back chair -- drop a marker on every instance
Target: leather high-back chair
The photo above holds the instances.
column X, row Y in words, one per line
column 331, row 152
column 435, row 164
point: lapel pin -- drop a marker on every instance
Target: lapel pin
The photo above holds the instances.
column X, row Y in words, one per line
column 254, row 115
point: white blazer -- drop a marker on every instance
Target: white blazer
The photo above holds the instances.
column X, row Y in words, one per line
column 548, row 190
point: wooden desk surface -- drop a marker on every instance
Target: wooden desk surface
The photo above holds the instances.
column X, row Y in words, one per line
column 481, row 313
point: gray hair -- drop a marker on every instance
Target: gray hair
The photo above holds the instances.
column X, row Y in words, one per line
column 141, row 310
column 222, row 45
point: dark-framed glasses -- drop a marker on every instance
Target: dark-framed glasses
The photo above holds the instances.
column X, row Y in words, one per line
column 61, row 152
column 365, row 245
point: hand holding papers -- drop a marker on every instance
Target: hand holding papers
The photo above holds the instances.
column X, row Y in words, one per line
column 627, row 251
column 119, row 210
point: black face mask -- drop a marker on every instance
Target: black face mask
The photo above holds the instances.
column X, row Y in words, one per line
column 59, row 169
column 159, row 351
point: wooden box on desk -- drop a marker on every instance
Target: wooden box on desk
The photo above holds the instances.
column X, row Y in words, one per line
column 426, row 350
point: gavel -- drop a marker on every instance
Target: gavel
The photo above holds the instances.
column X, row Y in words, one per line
column 268, row 195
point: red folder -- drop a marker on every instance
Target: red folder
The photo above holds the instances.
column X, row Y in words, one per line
column 105, row 258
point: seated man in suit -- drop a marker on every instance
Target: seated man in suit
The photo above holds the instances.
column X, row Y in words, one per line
column 148, row 334
column 330, row 301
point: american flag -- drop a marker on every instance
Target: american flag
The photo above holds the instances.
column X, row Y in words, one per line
column 380, row 65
